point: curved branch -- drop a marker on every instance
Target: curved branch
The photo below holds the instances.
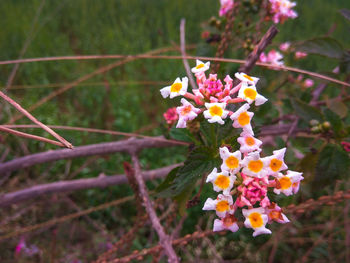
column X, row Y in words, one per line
column 80, row 184
column 130, row 145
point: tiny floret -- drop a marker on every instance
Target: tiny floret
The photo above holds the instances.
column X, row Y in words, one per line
column 256, row 219
column 249, row 94
column 200, row 66
column 215, row 112
column 178, row 88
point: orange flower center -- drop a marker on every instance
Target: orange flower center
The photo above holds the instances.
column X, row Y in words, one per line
column 248, row 77
column 255, row 166
column 231, row 162
column 256, row 220
column 222, row 206
column 250, row 141
column 200, row 66
column 229, row 220
column 176, row 87
column 186, row 110
column 285, row 183
column 215, row 111
column 275, row 165
column 243, row 119
column 250, row 93
column 222, row 181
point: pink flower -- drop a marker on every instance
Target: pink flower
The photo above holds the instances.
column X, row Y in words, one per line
column 274, row 57
column 299, row 55
column 274, row 213
column 346, row 146
column 253, row 190
column 186, row 112
column 171, row 116
column 20, row 246
column 281, row 10
column 308, row 83
column 226, row 6
column 285, row 46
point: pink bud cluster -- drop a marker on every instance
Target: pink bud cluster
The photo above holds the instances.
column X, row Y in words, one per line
column 281, row 10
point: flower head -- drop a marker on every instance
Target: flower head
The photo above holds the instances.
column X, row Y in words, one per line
column 222, row 205
column 171, row 116
column 248, row 143
column 230, row 160
column 179, row 87
column 256, row 219
column 246, row 78
column 186, row 112
column 215, row 112
column 254, row 165
column 200, row 66
column 287, row 182
column 221, row 181
column 227, row 223
column 275, row 163
column 249, row 94
column 226, row 6
column 242, row 117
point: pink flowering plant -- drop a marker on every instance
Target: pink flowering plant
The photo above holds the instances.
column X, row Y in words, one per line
column 217, row 118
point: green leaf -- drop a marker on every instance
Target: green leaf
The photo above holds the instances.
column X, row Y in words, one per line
column 181, row 135
column 305, row 111
column 345, row 13
column 324, row 46
column 333, row 163
column 166, row 184
column 338, row 107
column 308, row 165
column 345, row 63
column 200, row 161
column 335, row 121
column 183, row 197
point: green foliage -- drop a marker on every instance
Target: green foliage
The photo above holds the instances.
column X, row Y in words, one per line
column 324, row 46
column 336, row 122
column 333, row 163
column 306, row 111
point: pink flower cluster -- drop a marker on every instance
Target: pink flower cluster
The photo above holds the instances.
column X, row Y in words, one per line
column 245, row 177
column 273, row 57
column 281, row 10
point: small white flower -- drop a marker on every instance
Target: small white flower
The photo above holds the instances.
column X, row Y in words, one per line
column 222, row 205
column 241, row 119
column 221, row 181
column 179, row 87
column 200, row 66
column 215, row 112
column 186, row 112
column 275, row 163
column 227, row 223
column 288, row 182
column 246, row 78
column 248, row 143
column 249, row 94
column 256, row 219
column 254, row 165
column 231, row 161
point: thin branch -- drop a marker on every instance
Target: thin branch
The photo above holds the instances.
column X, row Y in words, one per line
column 183, row 52
column 30, row 136
column 83, row 151
column 75, row 185
column 164, row 239
column 254, row 56
column 33, row 119
column 227, row 60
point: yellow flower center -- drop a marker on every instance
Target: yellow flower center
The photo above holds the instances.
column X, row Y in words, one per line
column 250, row 93
column 222, row 181
column 231, row 162
column 243, row 119
column 275, row 165
column 248, row 77
column 256, row 220
column 255, row 166
column 285, row 183
column 186, row 110
column 250, row 141
column 222, row 206
column 200, row 66
column 176, row 87
column 215, row 111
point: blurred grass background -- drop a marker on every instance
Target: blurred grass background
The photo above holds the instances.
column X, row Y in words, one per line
column 88, row 27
